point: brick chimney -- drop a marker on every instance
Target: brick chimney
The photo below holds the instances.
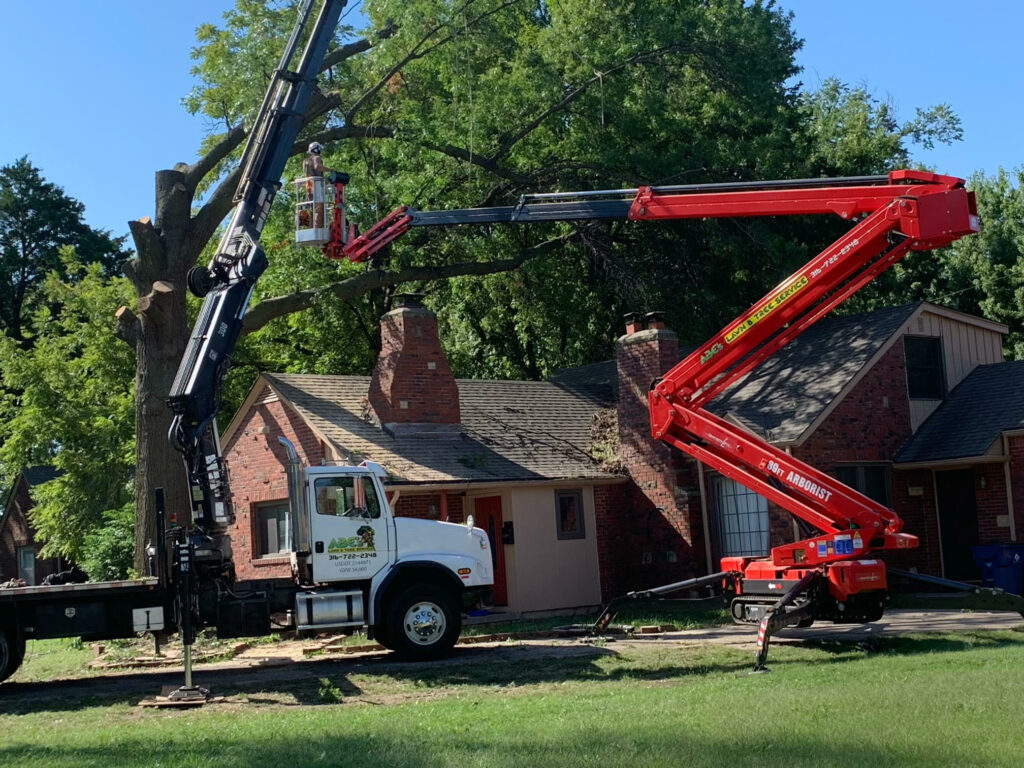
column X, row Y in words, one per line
column 643, row 354
column 412, row 389
column 662, row 496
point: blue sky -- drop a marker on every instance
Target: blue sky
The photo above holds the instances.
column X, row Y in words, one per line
column 93, row 88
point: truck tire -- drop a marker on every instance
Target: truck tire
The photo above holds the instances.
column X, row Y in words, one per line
column 422, row 623
column 380, row 634
column 12, row 652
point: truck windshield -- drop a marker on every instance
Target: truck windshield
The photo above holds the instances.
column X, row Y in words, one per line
column 348, row 496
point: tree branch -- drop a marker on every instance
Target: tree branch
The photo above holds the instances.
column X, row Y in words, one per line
column 575, row 93
column 351, row 287
column 220, row 203
column 150, row 250
column 227, row 144
column 126, row 326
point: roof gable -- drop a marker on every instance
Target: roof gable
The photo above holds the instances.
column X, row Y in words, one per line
column 795, row 388
column 987, row 403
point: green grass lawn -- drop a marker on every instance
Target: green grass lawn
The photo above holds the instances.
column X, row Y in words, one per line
column 919, row 701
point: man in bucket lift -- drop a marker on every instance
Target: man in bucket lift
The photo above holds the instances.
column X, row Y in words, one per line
column 313, row 167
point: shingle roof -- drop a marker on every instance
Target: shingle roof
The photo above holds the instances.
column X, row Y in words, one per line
column 788, row 391
column 988, row 402
column 511, row 430
column 596, row 381
column 783, row 396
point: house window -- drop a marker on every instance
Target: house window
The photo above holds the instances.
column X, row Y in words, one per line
column 873, row 480
column 27, row 565
column 350, row 495
column 569, row 515
column 926, row 379
column 741, row 518
column 271, row 529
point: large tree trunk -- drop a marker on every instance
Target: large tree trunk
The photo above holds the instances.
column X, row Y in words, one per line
column 166, row 250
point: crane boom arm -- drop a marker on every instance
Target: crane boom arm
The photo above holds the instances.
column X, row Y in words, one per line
column 228, row 281
column 894, row 213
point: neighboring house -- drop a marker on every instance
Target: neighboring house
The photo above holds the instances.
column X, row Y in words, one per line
column 908, row 405
column 514, row 454
column 19, row 552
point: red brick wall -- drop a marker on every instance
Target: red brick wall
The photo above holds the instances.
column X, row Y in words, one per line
column 256, row 467
column 660, row 535
column 412, row 370
column 991, row 501
column 418, row 505
column 17, row 532
column 1016, row 447
column 919, row 518
column 870, row 424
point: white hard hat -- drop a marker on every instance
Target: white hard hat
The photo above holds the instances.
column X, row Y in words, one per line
column 316, row 147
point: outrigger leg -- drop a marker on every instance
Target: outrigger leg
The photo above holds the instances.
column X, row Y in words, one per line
column 783, row 615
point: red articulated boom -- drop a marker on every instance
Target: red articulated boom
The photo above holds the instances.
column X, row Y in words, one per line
column 831, row 575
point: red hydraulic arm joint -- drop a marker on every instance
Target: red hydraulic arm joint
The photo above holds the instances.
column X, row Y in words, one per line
column 360, row 247
column 914, row 211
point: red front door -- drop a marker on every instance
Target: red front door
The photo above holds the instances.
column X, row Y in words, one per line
column 487, row 511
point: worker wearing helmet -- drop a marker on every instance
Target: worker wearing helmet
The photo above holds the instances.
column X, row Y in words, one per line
column 313, row 169
column 313, row 165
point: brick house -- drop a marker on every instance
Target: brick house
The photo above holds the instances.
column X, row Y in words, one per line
column 19, row 552
column 586, row 506
column 518, row 455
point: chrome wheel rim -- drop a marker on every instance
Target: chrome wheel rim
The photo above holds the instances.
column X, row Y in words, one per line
column 424, row 623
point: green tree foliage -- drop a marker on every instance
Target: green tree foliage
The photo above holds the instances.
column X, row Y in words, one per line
column 68, row 402
column 853, row 133
column 109, row 548
column 479, row 102
column 37, row 219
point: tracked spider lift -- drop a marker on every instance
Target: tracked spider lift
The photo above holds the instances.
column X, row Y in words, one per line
column 834, row 574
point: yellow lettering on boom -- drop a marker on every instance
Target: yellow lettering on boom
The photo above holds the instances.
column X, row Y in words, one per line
column 766, row 309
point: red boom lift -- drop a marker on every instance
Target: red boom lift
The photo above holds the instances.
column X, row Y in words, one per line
column 832, row 574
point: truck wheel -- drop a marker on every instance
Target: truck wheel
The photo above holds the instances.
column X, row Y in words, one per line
column 422, row 623
column 12, row 652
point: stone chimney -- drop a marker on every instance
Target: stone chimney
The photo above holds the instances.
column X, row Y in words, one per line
column 412, row 389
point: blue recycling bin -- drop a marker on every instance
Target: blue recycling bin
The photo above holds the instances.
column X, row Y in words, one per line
column 1002, row 566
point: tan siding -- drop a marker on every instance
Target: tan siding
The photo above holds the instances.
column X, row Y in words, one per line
column 964, row 347
column 545, row 573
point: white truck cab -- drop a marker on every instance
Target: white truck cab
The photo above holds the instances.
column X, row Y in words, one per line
column 407, row 580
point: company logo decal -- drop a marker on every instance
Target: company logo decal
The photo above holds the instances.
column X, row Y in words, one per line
column 714, row 350
column 361, row 542
column 769, row 306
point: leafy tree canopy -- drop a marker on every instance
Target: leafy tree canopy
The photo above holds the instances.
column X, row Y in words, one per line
column 67, row 402
column 477, row 103
column 37, row 219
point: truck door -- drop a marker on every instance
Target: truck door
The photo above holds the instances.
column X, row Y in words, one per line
column 351, row 536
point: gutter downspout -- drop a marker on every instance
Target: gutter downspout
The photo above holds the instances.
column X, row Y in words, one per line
column 1009, row 487
column 702, row 487
column 938, row 522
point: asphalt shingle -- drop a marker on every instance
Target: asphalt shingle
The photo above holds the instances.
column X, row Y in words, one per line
column 985, row 404
column 511, row 430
